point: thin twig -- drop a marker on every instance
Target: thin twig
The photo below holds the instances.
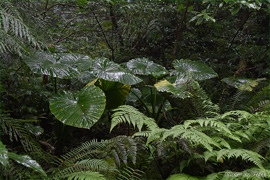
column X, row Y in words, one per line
column 178, row 34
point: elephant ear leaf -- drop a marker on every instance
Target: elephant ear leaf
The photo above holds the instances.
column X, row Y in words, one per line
column 59, row 65
column 110, row 71
column 143, row 66
column 191, row 69
column 81, row 110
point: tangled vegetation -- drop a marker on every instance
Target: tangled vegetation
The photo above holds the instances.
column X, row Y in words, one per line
column 128, row 90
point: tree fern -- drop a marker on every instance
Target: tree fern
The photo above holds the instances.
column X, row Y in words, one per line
column 15, row 33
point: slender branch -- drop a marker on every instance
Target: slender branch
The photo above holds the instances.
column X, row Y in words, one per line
column 59, row 40
column 60, row 4
column 115, row 25
column 46, row 6
column 103, row 33
column 235, row 35
column 48, row 145
column 178, row 34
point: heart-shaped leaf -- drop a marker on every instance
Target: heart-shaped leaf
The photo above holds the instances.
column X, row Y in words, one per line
column 110, row 71
column 185, row 69
column 143, row 66
column 81, row 110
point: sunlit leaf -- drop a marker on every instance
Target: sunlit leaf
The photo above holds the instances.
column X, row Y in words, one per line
column 81, row 110
column 178, row 90
column 243, row 84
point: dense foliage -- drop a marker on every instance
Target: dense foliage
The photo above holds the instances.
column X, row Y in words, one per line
column 127, row 90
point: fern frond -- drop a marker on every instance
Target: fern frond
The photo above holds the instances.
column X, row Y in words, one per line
column 243, row 153
column 130, row 115
column 203, row 105
column 123, row 147
column 130, row 174
column 222, row 142
column 85, row 175
column 261, row 145
column 16, row 33
column 192, row 135
column 252, row 173
column 262, row 95
column 237, row 113
column 16, row 130
column 210, row 122
column 87, row 150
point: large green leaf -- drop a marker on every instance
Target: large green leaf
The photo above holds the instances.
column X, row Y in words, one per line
column 110, row 71
column 185, row 69
column 243, row 84
column 61, row 65
column 133, row 95
column 27, row 162
column 21, row 159
column 178, row 90
column 115, row 92
column 143, row 66
column 3, row 155
column 81, row 110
